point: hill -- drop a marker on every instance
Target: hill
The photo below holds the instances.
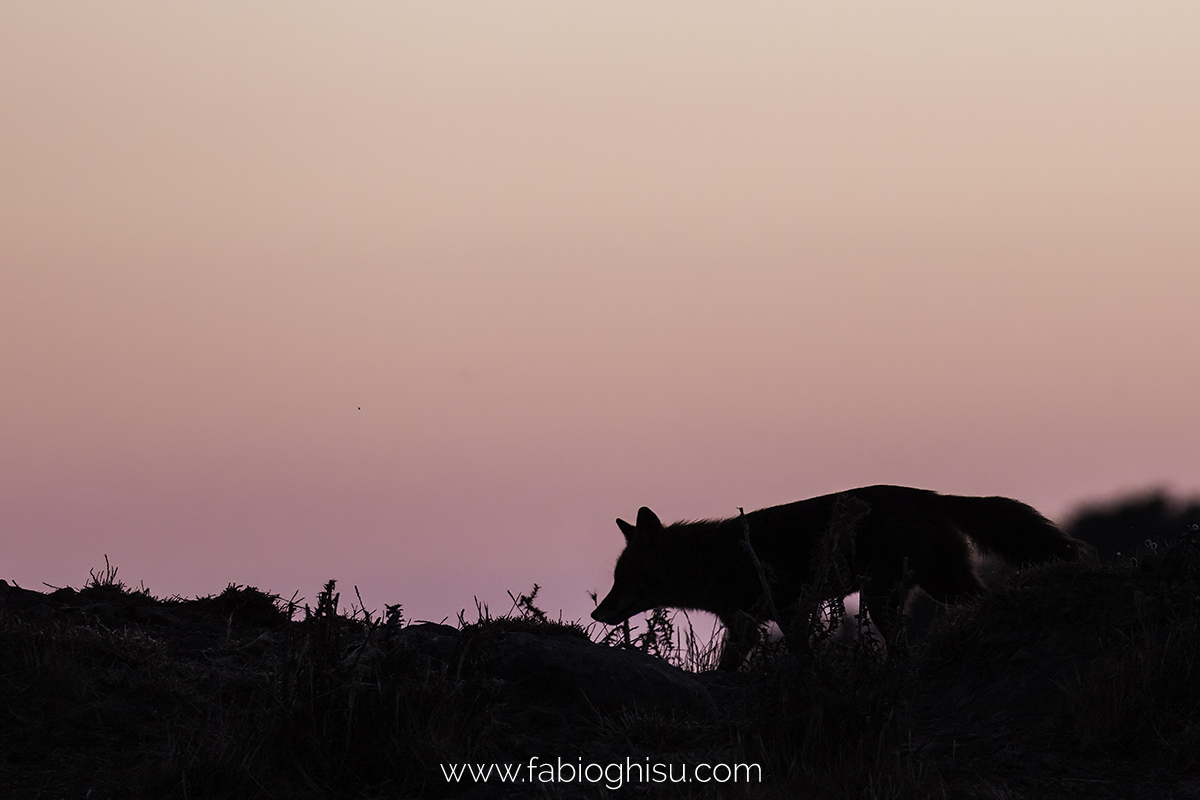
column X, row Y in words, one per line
column 1065, row 680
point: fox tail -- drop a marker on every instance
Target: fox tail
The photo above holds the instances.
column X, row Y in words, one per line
column 1010, row 529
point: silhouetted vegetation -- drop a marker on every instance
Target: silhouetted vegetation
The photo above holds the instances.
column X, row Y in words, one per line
column 1132, row 527
column 1063, row 680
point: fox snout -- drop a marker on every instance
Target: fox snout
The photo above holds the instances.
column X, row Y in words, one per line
column 610, row 610
column 621, row 604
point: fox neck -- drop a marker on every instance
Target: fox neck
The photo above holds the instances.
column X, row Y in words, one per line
column 709, row 567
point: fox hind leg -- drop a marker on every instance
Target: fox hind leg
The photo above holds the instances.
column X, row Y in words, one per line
column 884, row 603
column 945, row 568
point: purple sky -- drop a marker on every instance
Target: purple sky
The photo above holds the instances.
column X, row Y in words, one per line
column 569, row 261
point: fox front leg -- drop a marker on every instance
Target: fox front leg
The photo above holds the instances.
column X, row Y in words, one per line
column 741, row 636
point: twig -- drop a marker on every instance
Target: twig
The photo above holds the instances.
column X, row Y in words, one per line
column 762, row 573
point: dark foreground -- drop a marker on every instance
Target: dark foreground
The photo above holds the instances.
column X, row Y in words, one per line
column 1066, row 680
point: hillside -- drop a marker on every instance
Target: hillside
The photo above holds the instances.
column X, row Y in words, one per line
column 1067, row 680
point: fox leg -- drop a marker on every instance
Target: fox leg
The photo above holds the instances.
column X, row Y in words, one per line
column 885, row 606
column 947, row 572
column 741, row 636
column 940, row 562
column 884, row 594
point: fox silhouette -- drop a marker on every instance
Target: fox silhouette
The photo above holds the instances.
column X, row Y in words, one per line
column 883, row 537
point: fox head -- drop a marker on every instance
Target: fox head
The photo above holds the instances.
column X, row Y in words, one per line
column 640, row 579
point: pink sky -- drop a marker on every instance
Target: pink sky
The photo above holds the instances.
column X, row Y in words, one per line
column 570, row 259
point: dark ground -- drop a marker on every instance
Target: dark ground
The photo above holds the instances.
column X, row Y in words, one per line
column 1064, row 681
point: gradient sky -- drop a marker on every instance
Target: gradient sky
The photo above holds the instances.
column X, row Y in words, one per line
column 570, row 259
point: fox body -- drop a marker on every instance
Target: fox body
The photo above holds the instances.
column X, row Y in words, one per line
column 884, row 537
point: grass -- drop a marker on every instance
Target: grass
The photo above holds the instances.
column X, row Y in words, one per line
column 1066, row 680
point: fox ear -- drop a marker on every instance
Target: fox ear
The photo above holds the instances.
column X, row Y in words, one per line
column 648, row 521
column 648, row 524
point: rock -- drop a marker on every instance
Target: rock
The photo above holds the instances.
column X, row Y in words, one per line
column 573, row 672
column 430, row 638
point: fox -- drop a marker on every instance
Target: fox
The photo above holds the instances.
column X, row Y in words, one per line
column 882, row 539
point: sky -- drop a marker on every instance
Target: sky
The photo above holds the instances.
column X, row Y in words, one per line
column 422, row 296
